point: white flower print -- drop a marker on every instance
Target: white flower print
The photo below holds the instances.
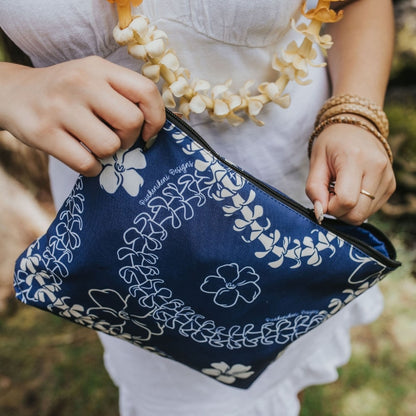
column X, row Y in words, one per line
column 70, row 311
column 120, row 170
column 113, row 315
column 230, row 284
column 226, row 374
column 41, row 286
column 312, row 250
column 30, row 263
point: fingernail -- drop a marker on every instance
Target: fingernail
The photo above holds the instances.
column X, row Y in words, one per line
column 150, row 142
column 319, row 211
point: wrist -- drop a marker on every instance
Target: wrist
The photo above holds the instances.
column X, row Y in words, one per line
column 11, row 76
column 353, row 110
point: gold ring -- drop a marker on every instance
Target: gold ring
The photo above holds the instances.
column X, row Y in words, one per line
column 366, row 193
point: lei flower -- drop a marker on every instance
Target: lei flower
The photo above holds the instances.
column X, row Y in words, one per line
column 146, row 42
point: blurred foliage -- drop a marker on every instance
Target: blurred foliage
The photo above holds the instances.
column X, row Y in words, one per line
column 402, row 116
column 404, row 63
column 4, row 56
column 401, row 110
column 50, row 367
column 9, row 52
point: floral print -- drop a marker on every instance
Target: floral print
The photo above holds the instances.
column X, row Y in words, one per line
column 226, row 374
column 114, row 313
column 231, row 284
column 42, row 286
column 30, row 263
column 145, row 311
column 120, row 170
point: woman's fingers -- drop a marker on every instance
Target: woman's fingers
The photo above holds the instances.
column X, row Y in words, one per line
column 377, row 185
column 361, row 199
column 72, row 152
column 144, row 92
column 346, row 192
column 125, row 100
column 385, row 189
column 359, row 167
column 372, row 196
column 118, row 116
column 95, row 135
column 81, row 109
column 318, row 182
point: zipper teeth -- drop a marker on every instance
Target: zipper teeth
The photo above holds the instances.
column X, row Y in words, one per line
column 293, row 204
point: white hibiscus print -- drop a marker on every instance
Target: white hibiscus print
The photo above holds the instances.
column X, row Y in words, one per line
column 226, row 374
column 231, row 284
column 114, row 315
column 121, row 170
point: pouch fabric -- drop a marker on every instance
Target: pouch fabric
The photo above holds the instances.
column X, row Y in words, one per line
column 180, row 252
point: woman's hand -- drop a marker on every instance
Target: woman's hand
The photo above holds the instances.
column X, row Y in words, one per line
column 79, row 111
column 356, row 161
column 359, row 64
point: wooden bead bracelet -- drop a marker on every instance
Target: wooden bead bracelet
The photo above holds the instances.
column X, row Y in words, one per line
column 378, row 113
column 380, row 122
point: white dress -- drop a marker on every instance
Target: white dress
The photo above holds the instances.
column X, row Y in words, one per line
column 216, row 40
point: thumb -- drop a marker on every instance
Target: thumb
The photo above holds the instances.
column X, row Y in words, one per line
column 317, row 186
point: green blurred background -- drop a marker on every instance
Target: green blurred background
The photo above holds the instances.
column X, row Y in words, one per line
column 49, row 367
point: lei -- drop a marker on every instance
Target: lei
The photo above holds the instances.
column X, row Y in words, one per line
column 146, row 42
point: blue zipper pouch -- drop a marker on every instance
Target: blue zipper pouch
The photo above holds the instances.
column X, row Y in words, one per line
column 178, row 251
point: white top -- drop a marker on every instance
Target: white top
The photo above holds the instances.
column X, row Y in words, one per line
column 216, row 40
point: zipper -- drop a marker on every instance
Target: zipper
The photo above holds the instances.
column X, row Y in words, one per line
column 329, row 224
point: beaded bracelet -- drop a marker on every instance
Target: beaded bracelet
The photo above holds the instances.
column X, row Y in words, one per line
column 353, row 121
column 359, row 110
column 377, row 111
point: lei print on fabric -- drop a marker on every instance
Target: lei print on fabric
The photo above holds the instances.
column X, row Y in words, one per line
column 229, row 286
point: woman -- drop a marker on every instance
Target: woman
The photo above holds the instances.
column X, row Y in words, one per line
column 72, row 98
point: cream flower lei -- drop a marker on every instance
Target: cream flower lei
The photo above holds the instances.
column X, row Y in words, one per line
column 146, row 42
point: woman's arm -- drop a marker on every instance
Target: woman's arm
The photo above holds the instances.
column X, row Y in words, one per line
column 360, row 60
column 68, row 108
column 359, row 63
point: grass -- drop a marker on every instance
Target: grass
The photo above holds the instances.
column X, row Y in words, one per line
column 51, row 367
column 3, row 54
column 402, row 118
